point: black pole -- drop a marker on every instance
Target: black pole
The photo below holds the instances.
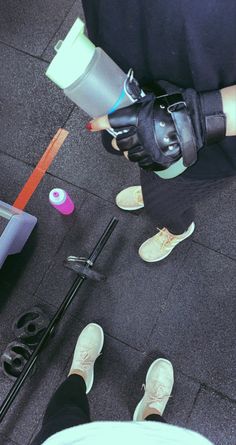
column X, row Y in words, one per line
column 55, row 320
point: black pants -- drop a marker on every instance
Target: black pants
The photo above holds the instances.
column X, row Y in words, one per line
column 170, row 203
column 69, row 407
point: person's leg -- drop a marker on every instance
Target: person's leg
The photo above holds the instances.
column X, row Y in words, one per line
column 71, row 394
column 67, row 408
column 170, row 204
column 155, row 418
column 69, row 405
column 158, row 387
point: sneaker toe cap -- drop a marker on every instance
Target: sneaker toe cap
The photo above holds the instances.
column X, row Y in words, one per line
column 92, row 335
column 163, row 372
column 148, row 251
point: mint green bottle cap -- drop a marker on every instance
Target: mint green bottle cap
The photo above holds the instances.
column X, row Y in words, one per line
column 72, row 58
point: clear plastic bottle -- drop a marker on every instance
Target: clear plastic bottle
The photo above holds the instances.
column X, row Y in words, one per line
column 88, row 76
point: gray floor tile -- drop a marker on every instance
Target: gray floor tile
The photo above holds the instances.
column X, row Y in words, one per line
column 26, row 270
column 6, row 384
column 6, row 441
column 215, row 220
column 28, row 25
column 84, row 162
column 214, row 417
column 31, row 107
column 196, row 327
column 76, row 11
column 181, row 402
column 134, row 291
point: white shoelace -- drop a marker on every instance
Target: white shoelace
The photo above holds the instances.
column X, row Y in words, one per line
column 85, row 360
column 165, row 236
column 156, row 394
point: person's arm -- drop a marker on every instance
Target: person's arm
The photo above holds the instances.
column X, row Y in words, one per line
column 229, row 107
column 228, row 95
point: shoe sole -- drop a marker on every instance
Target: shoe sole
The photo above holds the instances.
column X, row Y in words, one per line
column 164, row 256
column 137, row 409
column 90, row 378
column 130, row 209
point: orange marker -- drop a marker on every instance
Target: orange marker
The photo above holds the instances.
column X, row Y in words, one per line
column 40, row 169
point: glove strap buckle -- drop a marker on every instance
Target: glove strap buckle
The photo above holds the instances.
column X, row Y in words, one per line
column 185, row 132
column 175, row 106
column 132, row 88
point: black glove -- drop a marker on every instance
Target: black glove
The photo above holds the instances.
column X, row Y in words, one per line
column 158, row 131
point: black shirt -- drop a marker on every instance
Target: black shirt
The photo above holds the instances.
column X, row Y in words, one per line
column 191, row 43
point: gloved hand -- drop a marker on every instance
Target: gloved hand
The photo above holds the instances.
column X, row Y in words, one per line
column 157, row 131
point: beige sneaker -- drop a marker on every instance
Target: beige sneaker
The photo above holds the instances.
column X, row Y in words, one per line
column 158, row 387
column 88, row 347
column 130, row 198
column 161, row 245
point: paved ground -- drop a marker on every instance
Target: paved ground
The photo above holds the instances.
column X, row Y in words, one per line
column 182, row 308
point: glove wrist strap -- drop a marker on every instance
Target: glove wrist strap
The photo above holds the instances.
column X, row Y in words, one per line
column 214, row 117
column 185, row 132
